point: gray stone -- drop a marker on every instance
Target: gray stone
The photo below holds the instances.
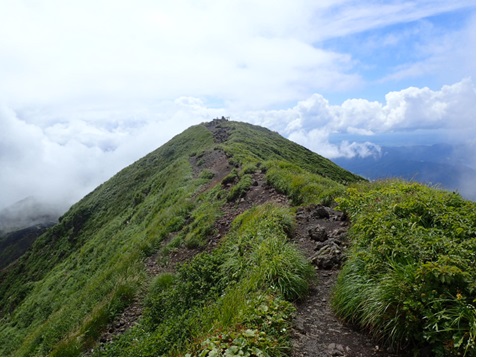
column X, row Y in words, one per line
column 319, row 245
column 340, row 348
column 318, row 233
column 320, row 212
column 328, row 257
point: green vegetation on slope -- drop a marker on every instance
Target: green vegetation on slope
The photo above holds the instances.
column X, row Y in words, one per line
column 14, row 244
column 59, row 296
column 229, row 301
column 409, row 279
column 87, row 268
column 302, row 187
column 410, row 275
column 254, row 144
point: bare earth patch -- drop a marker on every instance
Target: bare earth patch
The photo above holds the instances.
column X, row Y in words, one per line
column 317, row 332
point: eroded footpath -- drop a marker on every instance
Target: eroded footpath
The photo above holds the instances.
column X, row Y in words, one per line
column 321, row 234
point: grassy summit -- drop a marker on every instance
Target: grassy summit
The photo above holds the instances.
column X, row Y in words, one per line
column 195, row 237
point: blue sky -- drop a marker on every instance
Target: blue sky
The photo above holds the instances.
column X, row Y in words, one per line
column 436, row 47
column 381, row 54
column 87, row 87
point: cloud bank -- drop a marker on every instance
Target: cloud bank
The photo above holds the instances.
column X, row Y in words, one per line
column 248, row 53
column 448, row 114
column 60, row 162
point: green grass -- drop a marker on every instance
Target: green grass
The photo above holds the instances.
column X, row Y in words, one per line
column 60, row 289
column 409, row 278
column 253, row 144
column 79, row 275
column 410, row 275
column 229, row 300
column 300, row 185
column 240, row 189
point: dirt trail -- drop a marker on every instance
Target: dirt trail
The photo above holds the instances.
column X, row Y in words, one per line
column 320, row 233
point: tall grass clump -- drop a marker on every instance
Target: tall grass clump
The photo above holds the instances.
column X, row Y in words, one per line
column 262, row 244
column 301, row 186
column 410, row 275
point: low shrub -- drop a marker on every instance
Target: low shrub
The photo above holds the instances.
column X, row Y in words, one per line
column 241, row 188
column 231, row 177
column 270, row 318
column 410, row 275
column 206, row 174
column 250, row 168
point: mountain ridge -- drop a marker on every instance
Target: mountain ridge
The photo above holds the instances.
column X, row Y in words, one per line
column 207, row 246
column 27, row 212
column 147, row 200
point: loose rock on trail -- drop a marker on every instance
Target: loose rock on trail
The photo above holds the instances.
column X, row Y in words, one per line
column 321, row 234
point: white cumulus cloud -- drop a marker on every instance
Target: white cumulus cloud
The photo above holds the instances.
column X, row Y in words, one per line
column 311, row 122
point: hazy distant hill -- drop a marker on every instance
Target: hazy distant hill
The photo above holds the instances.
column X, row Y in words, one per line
column 26, row 213
column 20, row 225
column 437, row 165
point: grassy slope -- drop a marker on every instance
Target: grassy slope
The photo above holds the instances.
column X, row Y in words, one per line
column 15, row 244
column 257, row 144
column 230, row 301
column 82, row 272
column 91, row 259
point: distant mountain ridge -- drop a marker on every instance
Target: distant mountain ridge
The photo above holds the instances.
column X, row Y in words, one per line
column 437, row 165
column 15, row 243
column 21, row 224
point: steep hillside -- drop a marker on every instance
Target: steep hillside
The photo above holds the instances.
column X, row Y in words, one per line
column 81, row 273
column 15, row 243
column 227, row 241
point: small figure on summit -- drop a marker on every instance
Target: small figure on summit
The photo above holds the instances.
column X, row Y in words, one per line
column 220, row 119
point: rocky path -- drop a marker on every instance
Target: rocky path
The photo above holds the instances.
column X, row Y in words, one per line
column 318, row 333
column 321, row 235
